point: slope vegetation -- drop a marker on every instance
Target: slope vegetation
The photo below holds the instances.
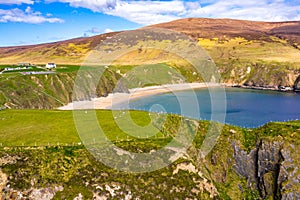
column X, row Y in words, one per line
column 50, row 90
column 259, row 163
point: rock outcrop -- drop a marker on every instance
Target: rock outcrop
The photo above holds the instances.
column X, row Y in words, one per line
column 245, row 165
column 269, row 169
column 297, row 85
column 33, row 193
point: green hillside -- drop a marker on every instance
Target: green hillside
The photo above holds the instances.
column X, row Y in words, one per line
column 63, row 168
column 49, row 91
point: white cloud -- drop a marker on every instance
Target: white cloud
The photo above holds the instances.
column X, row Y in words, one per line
column 18, row 2
column 151, row 12
column 147, row 12
column 260, row 10
column 94, row 5
column 108, row 30
column 95, row 30
column 28, row 10
column 27, row 16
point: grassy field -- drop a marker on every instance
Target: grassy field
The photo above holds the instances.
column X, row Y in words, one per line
column 30, row 127
column 41, row 67
column 43, row 127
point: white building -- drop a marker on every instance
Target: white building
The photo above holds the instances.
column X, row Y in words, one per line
column 50, row 65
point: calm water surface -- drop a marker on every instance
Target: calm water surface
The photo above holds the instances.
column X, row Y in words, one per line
column 244, row 107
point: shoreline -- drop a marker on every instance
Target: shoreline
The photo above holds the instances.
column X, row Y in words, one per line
column 270, row 88
column 112, row 99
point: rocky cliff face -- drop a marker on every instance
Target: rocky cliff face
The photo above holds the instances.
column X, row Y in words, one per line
column 260, row 75
column 52, row 90
column 297, row 84
column 269, row 168
column 260, row 163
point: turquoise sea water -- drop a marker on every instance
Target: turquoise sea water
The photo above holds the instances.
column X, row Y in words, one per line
column 243, row 107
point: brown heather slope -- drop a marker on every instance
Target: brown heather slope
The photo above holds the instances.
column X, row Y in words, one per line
column 70, row 51
column 74, row 51
column 251, row 30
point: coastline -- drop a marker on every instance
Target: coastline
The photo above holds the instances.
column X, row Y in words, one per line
column 270, row 88
column 112, row 99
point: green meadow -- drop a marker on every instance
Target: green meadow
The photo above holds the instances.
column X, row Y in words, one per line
column 53, row 127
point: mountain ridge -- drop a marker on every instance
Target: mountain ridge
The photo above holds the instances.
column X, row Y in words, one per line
column 198, row 25
column 193, row 27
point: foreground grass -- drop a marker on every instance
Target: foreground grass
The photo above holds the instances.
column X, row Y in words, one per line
column 45, row 127
column 54, row 127
column 77, row 171
column 30, row 127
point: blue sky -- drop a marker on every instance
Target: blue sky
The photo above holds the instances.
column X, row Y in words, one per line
column 38, row 21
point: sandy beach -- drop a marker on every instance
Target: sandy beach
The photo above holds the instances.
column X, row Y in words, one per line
column 123, row 98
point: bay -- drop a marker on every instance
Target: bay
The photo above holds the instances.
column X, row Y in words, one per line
column 243, row 107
